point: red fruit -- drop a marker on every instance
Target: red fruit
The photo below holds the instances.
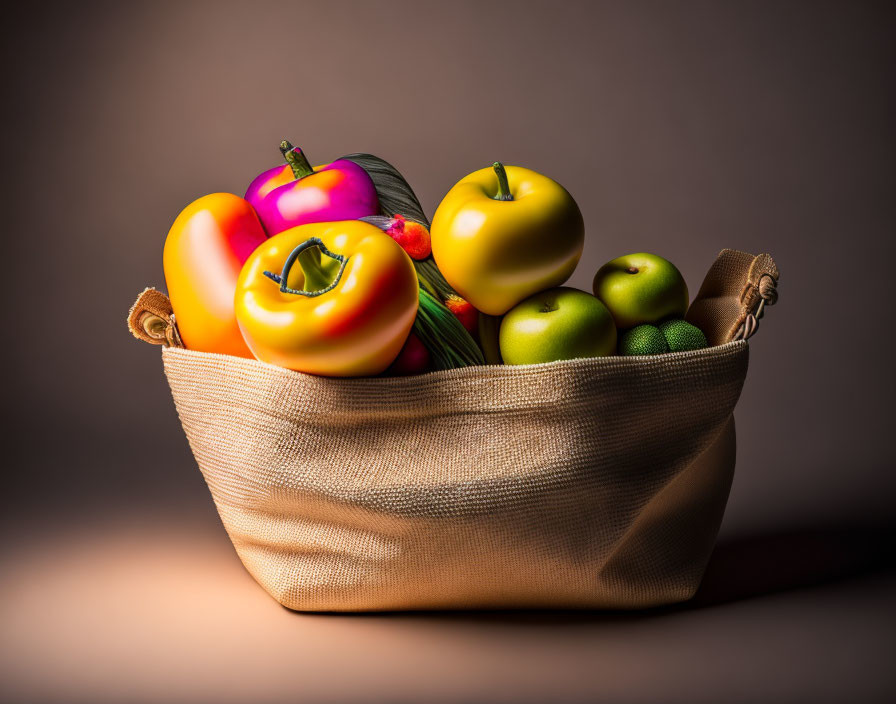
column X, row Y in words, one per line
column 412, row 236
column 464, row 312
column 413, row 359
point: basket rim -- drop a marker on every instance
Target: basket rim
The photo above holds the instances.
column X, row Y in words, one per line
column 493, row 371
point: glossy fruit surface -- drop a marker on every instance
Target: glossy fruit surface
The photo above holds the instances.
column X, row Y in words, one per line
column 560, row 323
column 296, row 193
column 334, row 299
column 641, row 288
column 204, row 252
column 497, row 244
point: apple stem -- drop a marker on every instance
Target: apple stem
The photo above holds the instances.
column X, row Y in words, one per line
column 296, row 159
column 632, row 270
column 503, row 185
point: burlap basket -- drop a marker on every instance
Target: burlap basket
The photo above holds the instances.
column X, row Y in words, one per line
column 594, row 483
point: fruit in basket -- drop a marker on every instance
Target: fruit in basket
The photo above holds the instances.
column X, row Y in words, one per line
column 412, row 236
column 560, row 323
column 334, row 299
column 681, row 336
column 414, row 358
column 641, row 340
column 641, row 288
column 502, row 234
column 204, row 252
column 295, row 193
column 464, row 312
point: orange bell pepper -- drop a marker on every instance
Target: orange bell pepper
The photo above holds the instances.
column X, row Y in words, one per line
column 204, row 252
column 334, row 299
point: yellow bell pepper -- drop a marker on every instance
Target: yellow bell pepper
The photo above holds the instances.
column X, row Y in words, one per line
column 334, row 299
column 502, row 234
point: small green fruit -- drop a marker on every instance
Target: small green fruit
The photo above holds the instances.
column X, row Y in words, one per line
column 682, row 336
column 643, row 339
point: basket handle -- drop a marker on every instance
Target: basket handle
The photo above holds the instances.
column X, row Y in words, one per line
column 151, row 319
column 734, row 295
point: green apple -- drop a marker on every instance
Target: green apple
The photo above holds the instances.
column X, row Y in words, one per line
column 641, row 288
column 560, row 323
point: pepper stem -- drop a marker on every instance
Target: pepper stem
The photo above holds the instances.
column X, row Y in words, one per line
column 296, row 159
column 316, row 276
column 320, row 276
column 503, row 185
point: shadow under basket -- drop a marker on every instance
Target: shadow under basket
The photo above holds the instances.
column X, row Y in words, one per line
column 590, row 483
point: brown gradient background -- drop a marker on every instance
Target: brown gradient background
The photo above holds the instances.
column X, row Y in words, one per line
column 680, row 128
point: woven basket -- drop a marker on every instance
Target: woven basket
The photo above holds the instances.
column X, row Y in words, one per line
column 591, row 483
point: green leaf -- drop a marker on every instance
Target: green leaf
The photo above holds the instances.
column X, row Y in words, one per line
column 447, row 340
column 394, row 192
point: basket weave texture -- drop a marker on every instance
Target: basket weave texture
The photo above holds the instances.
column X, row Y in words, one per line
column 589, row 483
